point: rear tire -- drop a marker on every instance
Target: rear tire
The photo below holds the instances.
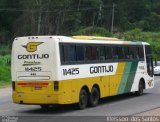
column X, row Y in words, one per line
column 140, row 89
column 94, row 97
column 83, row 99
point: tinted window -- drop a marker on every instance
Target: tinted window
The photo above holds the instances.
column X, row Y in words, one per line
column 140, row 52
column 108, row 52
column 120, row 52
column 136, row 55
column 80, row 53
column 90, row 52
column 101, row 53
column 62, row 54
column 69, row 53
column 126, row 52
column 131, row 53
column 115, row 52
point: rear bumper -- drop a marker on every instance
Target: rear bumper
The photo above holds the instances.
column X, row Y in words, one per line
column 30, row 98
column 39, row 99
column 38, row 93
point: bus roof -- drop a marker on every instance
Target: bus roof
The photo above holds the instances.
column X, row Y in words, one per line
column 95, row 38
column 83, row 39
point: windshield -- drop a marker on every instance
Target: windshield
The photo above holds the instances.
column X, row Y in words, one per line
column 156, row 63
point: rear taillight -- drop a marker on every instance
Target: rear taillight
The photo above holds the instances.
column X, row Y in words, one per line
column 13, row 85
column 33, row 84
column 56, row 85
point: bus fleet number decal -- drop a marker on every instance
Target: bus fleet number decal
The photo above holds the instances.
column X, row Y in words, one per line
column 71, row 71
column 28, row 69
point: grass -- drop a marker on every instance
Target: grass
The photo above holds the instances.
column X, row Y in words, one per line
column 5, row 76
column 5, row 71
column 5, row 50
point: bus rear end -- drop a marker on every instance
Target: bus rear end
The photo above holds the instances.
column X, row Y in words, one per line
column 34, row 70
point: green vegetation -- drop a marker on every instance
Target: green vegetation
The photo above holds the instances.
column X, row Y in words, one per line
column 93, row 31
column 5, row 50
column 5, row 70
column 72, row 17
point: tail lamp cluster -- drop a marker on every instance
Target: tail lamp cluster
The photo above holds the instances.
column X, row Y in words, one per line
column 56, row 85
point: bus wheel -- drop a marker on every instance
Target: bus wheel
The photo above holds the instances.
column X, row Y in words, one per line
column 83, row 99
column 94, row 97
column 140, row 89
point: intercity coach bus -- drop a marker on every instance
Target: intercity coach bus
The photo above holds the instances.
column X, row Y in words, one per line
column 48, row 70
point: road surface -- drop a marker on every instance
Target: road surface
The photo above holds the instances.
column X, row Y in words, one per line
column 122, row 105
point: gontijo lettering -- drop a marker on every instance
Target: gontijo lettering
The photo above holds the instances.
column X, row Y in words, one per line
column 33, row 56
column 101, row 69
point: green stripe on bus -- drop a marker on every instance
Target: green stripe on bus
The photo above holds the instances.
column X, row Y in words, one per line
column 124, row 77
column 131, row 76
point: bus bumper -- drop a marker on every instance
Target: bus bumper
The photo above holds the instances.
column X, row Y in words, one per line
column 34, row 94
column 37, row 99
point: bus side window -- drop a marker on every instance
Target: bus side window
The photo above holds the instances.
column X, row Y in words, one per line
column 115, row 53
column 141, row 53
column 80, row 53
column 136, row 54
column 72, row 53
column 131, row 53
column 69, row 53
column 62, row 54
column 108, row 53
column 126, row 52
column 90, row 53
column 101, row 53
column 94, row 53
column 120, row 52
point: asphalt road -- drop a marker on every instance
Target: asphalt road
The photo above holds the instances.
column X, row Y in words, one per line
column 122, row 105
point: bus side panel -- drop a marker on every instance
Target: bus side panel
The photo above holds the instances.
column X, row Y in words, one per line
column 108, row 84
column 142, row 74
column 115, row 80
column 71, row 88
column 138, row 75
column 79, row 83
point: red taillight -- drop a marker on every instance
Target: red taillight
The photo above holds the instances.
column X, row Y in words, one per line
column 13, row 85
column 56, row 85
column 33, row 83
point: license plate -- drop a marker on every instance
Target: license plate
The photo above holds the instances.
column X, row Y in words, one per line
column 38, row 87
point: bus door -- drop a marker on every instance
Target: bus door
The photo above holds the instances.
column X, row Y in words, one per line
column 149, row 61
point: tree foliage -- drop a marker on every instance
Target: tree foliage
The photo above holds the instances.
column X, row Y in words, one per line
column 69, row 17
